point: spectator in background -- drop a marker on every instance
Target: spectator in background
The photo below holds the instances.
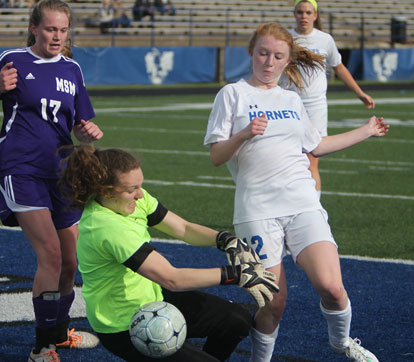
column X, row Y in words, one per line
column 121, row 17
column 106, row 16
column 165, row 7
column 143, row 8
column 309, row 35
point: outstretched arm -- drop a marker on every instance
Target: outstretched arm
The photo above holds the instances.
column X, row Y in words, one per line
column 252, row 277
column 237, row 250
column 375, row 127
column 223, row 151
column 191, row 233
column 343, row 73
column 158, row 269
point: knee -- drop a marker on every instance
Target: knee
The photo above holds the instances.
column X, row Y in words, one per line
column 68, row 270
column 50, row 259
column 277, row 305
column 334, row 295
column 273, row 311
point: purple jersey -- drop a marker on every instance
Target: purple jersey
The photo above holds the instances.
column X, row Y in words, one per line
column 38, row 116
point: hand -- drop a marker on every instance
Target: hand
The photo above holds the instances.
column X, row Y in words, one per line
column 378, row 127
column 237, row 250
column 8, row 78
column 87, row 132
column 256, row 127
column 367, row 100
column 258, row 282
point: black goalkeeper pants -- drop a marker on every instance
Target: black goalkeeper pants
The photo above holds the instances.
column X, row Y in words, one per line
column 222, row 322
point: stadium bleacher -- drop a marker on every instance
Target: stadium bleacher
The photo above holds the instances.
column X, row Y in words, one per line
column 354, row 24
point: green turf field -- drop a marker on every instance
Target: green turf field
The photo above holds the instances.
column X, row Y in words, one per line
column 368, row 190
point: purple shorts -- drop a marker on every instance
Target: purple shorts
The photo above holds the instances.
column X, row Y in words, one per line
column 21, row 193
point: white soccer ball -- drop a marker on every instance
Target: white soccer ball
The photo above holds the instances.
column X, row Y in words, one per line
column 158, row 329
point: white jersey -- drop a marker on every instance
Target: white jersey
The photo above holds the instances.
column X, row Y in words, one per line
column 271, row 171
column 316, row 83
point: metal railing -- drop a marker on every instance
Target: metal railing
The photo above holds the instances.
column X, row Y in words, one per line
column 223, row 27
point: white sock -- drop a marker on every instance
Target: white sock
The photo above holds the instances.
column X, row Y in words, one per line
column 339, row 325
column 262, row 345
column 319, row 193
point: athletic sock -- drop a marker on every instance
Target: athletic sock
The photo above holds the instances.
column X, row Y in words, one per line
column 262, row 345
column 339, row 325
column 64, row 306
column 46, row 309
column 63, row 319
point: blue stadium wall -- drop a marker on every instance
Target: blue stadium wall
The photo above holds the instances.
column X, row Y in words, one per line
column 175, row 65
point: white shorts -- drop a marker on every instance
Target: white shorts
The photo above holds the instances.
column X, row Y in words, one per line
column 273, row 238
column 318, row 115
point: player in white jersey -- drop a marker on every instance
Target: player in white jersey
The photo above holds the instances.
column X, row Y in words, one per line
column 44, row 98
column 263, row 134
column 308, row 34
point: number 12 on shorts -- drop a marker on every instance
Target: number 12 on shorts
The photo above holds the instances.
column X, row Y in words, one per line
column 256, row 243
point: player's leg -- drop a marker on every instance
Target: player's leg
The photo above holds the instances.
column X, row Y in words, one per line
column 39, row 230
column 314, row 169
column 309, row 238
column 267, row 238
column 320, row 260
column 120, row 345
column 266, row 322
column 65, row 221
column 223, row 323
column 67, row 237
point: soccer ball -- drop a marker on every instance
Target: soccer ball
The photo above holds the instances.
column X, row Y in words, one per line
column 158, row 329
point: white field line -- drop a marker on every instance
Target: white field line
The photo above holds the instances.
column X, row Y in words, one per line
column 331, row 159
column 189, row 106
column 355, row 257
column 330, row 193
column 172, row 241
column 338, row 102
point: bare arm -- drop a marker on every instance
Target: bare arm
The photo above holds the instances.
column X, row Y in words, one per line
column 258, row 282
column 158, row 269
column 87, row 132
column 223, row 151
column 191, row 233
column 373, row 128
column 343, row 73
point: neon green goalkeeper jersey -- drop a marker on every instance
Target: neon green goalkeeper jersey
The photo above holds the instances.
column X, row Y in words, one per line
column 112, row 291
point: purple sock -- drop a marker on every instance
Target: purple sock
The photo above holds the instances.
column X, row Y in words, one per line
column 46, row 309
column 65, row 304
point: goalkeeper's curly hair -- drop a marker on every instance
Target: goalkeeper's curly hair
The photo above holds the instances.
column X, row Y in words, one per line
column 88, row 172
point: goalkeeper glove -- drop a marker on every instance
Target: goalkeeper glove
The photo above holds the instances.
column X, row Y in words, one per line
column 257, row 281
column 237, row 250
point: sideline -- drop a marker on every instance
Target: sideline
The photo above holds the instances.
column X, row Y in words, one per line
column 354, row 257
column 190, row 106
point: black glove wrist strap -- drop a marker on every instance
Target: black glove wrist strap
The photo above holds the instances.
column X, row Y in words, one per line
column 230, row 274
column 221, row 239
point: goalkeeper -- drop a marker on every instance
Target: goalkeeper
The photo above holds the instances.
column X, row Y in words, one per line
column 122, row 271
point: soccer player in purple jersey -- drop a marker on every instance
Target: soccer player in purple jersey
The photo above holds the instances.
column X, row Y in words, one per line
column 44, row 98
